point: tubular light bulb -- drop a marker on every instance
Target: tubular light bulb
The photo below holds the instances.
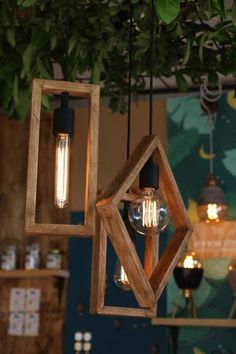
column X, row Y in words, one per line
column 120, row 278
column 148, row 211
column 62, row 162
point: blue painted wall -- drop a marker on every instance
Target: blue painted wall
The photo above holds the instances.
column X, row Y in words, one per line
column 111, row 335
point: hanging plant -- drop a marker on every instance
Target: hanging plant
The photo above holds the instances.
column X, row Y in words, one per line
column 192, row 39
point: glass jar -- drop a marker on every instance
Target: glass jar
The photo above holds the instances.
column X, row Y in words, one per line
column 54, row 259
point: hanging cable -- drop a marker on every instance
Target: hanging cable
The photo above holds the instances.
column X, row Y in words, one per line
column 129, row 79
column 67, row 35
column 151, row 66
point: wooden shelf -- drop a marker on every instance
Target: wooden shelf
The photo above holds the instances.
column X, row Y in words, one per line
column 34, row 273
column 201, row 322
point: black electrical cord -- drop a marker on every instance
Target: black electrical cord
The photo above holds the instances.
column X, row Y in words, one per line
column 67, row 38
column 129, row 78
column 151, row 66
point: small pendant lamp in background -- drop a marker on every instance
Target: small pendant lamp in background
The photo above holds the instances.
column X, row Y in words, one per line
column 212, row 205
column 188, row 275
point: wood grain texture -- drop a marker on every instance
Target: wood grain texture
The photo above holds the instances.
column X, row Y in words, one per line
column 127, row 174
column 196, row 322
column 168, row 260
column 127, row 312
column 98, row 273
column 170, row 191
column 127, row 255
column 75, row 89
column 146, row 292
column 151, row 253
column 98, row 282
column 34, row 273
column 32, row 171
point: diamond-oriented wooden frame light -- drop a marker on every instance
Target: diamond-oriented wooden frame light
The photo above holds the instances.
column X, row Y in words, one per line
column 149, row 281
column 78, row 90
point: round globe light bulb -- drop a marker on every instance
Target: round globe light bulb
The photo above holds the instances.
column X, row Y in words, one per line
column 148, row 212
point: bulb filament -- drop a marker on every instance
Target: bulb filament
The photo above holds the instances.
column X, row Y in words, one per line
column 150, row 216
column 62, row 170
column 123, row 277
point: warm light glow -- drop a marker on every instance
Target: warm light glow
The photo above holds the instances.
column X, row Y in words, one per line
column 150, row 215
column 120, row 278
column 148, row 212
column 123, row 277
column 62, row 160
column 212, row 211
column 188, row 262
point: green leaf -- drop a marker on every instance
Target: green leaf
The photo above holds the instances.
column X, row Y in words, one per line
column 28, row 3
column 187, row 110
column 72, row 43
column 27, row 59
column 23, row 103
column 53, row 42
column 46, row 101
column 39, row 39
column 15, row 88
column 4, row 18
column 181, row 145
column 181, row 82
column 229, row 161
column 6, row 94
column 11, row 37
column 168, row 10
column 187, row 52
column 233, row 13
column 201, row 45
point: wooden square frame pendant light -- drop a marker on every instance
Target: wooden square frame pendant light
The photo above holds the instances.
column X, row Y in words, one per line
column 78, row 90
column 147, row 283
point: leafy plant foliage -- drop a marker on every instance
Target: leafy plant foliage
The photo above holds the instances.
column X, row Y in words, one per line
column 192, row 39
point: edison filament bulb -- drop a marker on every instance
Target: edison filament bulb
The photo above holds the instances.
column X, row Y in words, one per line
column 149, row 211
column 63, row 128
column 62, row 164
column 120, row 278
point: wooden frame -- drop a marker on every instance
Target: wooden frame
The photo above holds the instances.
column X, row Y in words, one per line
column 74, row 89
column 147, row 283
column 186, row 322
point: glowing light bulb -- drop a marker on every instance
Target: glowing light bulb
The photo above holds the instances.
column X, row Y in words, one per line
column 212, row 204
column 120, row 278
column 148, row 211
column 63, row 128
column 188, row 262
column 212, row 211
column 62, row 162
